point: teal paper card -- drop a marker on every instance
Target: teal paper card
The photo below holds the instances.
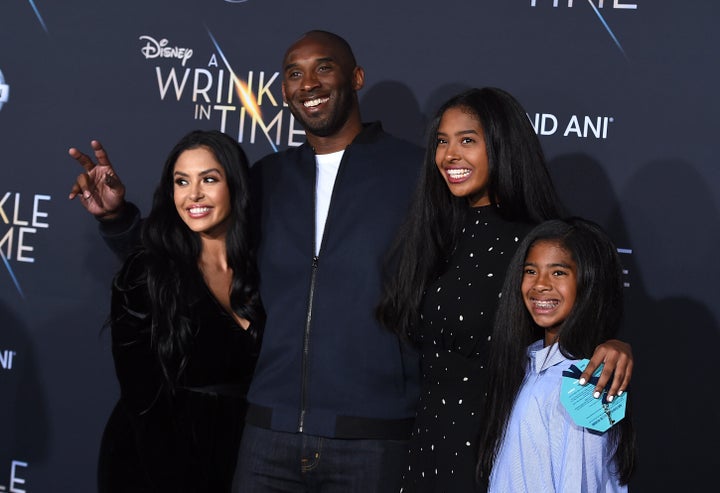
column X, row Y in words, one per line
column 595, row 414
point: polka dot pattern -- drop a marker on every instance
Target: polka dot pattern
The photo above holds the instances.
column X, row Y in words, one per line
column 455, row 333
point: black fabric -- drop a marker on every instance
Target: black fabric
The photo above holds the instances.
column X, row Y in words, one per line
column 184, row 440
column 324, row 354
column 457, row 318
column 346, row 427
column 122, row 233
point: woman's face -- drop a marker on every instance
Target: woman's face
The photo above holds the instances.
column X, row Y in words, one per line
column 461, row 156
column 201, row 193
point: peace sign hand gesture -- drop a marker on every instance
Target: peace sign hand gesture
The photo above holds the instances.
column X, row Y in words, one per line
column 99, row 187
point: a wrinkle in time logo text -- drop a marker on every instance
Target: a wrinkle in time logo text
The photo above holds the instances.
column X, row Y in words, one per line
column 596, row 8
column 613, row 4
column 17, row 482
column 22, row 217
column 248, row 106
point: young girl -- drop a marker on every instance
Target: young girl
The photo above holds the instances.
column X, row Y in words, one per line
column 564, row 287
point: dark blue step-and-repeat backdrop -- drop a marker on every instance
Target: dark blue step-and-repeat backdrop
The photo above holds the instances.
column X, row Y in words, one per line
column 623, row 94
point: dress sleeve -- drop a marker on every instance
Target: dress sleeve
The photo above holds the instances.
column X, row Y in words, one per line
column 136, row 365
column 162, row 446
column 122, row 234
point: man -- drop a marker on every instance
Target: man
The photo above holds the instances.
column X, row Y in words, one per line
column 332, row 400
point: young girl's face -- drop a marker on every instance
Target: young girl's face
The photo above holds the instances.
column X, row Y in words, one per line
column 549, row 285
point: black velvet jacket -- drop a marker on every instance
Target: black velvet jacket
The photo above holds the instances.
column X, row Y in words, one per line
column 183, row 440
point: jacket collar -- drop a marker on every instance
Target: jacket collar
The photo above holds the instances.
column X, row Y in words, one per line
column 370, row 133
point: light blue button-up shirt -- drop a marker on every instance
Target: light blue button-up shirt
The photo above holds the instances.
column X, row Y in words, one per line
column 543, row 449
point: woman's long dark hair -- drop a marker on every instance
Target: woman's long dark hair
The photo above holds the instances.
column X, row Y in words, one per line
column 519, row 185
column 172, row 250
column 594, row 318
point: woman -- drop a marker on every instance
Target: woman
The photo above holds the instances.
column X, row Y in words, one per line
column 186, row 325
column 484, row 184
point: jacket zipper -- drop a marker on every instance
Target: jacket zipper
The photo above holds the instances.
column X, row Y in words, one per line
column 311, row 297
column 306, row 345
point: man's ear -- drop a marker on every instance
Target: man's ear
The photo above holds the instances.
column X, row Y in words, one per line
column 358, row 78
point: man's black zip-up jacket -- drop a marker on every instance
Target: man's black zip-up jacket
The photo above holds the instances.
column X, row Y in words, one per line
column 326, row 366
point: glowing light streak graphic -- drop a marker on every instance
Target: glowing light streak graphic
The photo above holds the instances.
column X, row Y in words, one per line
column 246, row 97
column 607, row 28
column 625, row 250
column 12, row 274
column 37, row 14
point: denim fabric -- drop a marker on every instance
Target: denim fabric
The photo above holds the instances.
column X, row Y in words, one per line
column 273, row 461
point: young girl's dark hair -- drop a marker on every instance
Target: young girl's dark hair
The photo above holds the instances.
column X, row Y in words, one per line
column 595, row 317
column 172, row 252
column 519, row 185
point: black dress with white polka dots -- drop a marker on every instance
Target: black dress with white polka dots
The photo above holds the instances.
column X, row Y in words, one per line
column 456, row 325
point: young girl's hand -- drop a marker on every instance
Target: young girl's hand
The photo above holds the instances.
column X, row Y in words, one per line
column 618, row 359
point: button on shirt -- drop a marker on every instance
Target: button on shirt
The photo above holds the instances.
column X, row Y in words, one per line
column 543, row 449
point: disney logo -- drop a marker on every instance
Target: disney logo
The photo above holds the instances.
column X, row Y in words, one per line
column 160, row 49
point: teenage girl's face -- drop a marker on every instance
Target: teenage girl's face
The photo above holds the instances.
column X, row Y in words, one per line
column 201, row 193
column 461, row 156
column 549, row 286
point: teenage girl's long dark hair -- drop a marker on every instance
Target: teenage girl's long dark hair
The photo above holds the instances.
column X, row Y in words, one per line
column 519, row 184
column 594, row 318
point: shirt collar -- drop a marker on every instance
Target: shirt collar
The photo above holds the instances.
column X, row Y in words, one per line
column 542, row 358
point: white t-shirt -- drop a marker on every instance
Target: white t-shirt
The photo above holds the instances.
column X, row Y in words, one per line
column 327, row 166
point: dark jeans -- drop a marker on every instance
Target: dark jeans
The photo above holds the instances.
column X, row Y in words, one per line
column 273, row 461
